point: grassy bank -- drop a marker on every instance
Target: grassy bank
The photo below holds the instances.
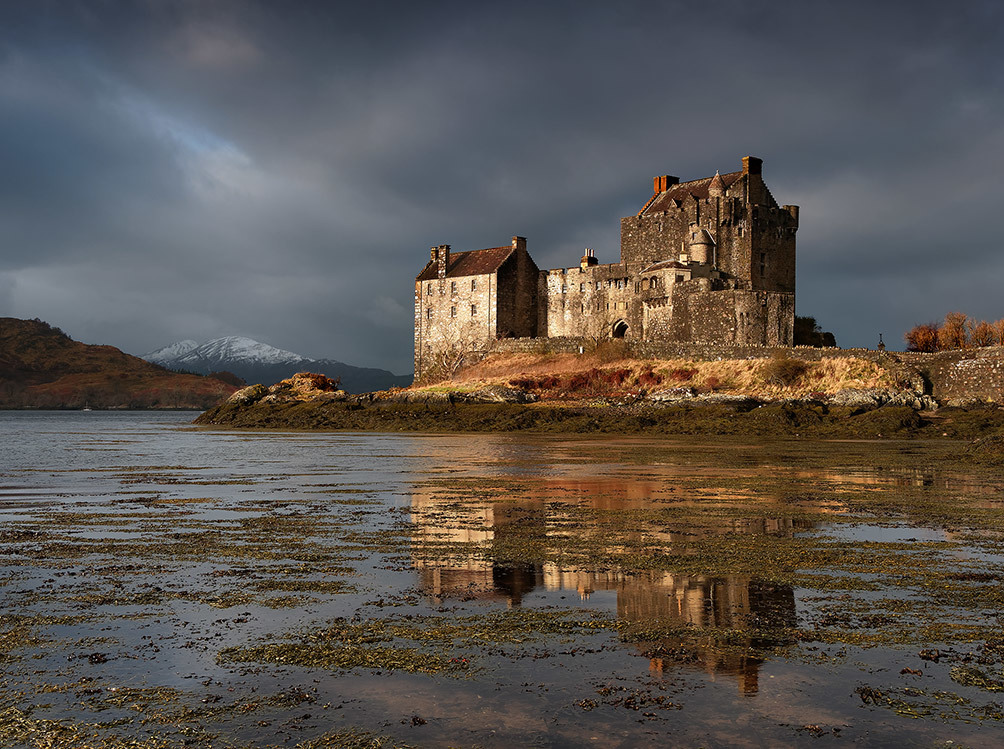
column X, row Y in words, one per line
column 609, row 372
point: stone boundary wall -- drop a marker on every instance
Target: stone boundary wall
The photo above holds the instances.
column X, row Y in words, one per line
column 948, row 376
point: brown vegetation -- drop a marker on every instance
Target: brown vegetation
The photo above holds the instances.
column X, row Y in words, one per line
column 784, row 371
column 42, row 367
column 571, row 377
column 956, row 332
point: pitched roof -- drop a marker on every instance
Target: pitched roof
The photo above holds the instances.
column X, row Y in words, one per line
column 470, row 263
column 664, row 264
column 698, row 188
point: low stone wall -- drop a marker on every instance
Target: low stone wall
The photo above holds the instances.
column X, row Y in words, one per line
column 959, row 376
column 948, row 376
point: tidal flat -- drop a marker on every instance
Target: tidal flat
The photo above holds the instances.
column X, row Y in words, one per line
column 168, row 586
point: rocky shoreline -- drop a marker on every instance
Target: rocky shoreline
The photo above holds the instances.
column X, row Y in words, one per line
column 311, row 402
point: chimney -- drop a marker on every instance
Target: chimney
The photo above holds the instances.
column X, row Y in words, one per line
column 519, row 243
column 752, row 165
column 588, row 259
column 441, row 257
column 661, row 184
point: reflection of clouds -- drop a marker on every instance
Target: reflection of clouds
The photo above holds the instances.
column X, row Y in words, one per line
column 646, row 597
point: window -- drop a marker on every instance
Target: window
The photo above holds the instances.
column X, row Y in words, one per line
column 428, row 314
column 680, row 278
column 564, row 288
column 582, row 287
column 637, row 286
column 428, row 290
column 474, row 284
column 453, row 311
column 453, row 287
column 474, row 310
column 598, row 284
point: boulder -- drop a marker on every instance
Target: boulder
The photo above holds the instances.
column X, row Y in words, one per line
column 247, row 396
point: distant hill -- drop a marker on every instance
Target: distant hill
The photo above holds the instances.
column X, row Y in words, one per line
column 257, row 362
column 42, row 367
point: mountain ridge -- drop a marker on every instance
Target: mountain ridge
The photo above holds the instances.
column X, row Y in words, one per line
column 257, row 362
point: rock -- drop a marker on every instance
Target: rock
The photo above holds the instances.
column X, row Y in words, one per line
column 430, row 397
column 860, row 397
column 247, row 396
column 867, row 399
column 672, row 394
column 728, row 399
column 496, row 394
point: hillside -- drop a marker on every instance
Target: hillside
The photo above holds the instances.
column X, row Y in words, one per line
column 42, row 367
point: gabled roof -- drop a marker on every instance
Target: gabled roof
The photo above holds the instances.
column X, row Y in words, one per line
column 697, row 188
column 470, row 263
column 664, row 264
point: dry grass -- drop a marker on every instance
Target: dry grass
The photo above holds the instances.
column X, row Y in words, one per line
column 561, row 376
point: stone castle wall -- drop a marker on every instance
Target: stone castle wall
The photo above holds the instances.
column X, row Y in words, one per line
column 450, row 312
column 710, row 261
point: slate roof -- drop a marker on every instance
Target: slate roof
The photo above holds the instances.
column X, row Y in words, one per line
column 470, row 263
column 698, row 188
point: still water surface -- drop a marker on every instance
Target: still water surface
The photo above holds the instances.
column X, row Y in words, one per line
column 168, row 584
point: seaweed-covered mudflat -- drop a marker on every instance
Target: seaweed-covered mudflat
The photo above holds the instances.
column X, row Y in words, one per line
column 165, row 586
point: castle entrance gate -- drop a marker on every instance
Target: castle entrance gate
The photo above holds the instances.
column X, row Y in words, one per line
column 620, row 329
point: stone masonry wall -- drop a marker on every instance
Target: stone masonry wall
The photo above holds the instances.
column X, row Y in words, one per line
column 517, row 295
column 452, row 313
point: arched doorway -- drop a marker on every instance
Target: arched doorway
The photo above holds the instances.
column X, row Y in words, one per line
column 619, row 329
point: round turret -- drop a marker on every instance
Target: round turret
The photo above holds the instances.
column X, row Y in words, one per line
column 702, row 246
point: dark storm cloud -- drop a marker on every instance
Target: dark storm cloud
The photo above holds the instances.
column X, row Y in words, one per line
column 193, row 169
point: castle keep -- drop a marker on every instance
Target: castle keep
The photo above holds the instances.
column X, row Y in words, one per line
column 707, row 261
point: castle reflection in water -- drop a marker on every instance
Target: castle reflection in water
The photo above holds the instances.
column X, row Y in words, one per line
column 736, row 602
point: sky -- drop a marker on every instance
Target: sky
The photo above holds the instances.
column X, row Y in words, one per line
column 175, row 169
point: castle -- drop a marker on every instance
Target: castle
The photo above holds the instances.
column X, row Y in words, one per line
column 709, row 261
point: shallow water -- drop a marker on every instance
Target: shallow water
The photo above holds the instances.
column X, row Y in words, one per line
column 168, row 584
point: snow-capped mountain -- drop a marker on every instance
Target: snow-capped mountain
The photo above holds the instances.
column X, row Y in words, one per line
column 239, row 348
column 172, row 352
column 254, row 361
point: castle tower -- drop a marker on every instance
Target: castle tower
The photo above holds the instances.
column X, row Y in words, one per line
column 701, row 247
